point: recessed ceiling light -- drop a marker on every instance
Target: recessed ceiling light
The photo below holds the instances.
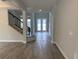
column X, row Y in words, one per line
column 40, row 10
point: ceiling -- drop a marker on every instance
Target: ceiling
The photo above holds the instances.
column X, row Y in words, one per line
column 35, row 5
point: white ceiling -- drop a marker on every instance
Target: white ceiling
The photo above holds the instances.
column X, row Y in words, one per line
column 34, row 5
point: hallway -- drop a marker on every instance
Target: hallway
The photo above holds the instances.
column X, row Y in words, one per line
column 40, row 49
column 57, row 17
column 44, row 49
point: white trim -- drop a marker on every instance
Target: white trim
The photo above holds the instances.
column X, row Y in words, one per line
column 52, row 41
column 61, row 50
column 13, row 41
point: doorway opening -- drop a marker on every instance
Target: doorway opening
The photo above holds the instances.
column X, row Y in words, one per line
column 41, row 25
column 28, row 26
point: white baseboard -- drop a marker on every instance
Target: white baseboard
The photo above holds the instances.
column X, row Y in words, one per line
column 13, row 41
column 61, row 50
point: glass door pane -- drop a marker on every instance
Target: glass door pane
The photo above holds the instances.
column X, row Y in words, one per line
column 38, row 24
column 44, row 27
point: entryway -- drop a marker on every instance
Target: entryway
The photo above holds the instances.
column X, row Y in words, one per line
column 41, row 24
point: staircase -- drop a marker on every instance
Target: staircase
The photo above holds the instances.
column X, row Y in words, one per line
column 15, row 22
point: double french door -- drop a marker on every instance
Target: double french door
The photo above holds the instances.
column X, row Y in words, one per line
column 41, row 24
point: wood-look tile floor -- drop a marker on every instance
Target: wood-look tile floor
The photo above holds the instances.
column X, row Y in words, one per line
column 40, row 49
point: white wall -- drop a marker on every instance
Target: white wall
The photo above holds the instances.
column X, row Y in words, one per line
column 51, row 25
column 20, row 4
column 33, row 24
column 13, row 3
column 7, row 33
column 24, row 26
column 9, row 5
column 65, row 29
